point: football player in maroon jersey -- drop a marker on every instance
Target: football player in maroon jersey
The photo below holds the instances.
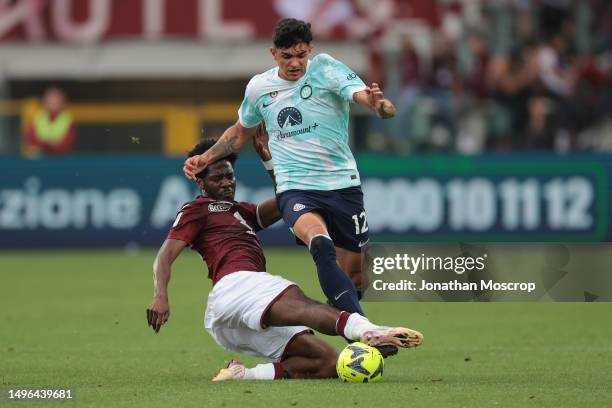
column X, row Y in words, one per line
column 249, row 310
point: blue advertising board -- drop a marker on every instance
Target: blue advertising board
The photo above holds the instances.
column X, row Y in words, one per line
column 96, row 202
column 519, row 197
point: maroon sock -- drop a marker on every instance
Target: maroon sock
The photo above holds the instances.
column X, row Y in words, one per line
column 279, row 371
column 341, row 323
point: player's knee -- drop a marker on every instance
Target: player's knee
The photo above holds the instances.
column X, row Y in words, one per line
column 310, row 225
column 351, row 268
column 356, row 276
column 350, row 262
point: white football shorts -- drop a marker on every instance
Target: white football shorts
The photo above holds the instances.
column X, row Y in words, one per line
column 236, row 306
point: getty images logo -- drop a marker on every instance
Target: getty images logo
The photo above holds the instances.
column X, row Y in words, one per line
column 288, row 117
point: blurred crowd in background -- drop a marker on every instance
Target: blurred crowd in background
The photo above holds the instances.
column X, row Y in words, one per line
column 506, row 76
column 467, row 76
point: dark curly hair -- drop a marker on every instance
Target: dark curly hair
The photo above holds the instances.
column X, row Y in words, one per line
column 203, row 146
column 289, row 32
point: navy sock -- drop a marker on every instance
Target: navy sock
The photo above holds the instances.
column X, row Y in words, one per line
column 336, row 285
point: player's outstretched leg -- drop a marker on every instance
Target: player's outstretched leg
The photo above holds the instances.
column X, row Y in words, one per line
column 306, row 357
column 353, row 263
column 337, row 286
column 236, row 371
column 294, row 308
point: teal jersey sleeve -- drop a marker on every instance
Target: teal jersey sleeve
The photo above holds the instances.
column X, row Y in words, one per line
column 339, row 78
column 249, row 113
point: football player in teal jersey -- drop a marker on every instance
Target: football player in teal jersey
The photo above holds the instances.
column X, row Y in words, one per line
column 304, row 105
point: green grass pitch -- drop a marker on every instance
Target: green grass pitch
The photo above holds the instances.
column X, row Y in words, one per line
column 77, row 319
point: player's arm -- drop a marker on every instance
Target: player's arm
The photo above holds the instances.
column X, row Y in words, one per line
column 268, row 213
column 260, row 144
column 372, row 98
column 230, row 142
column 158, row 311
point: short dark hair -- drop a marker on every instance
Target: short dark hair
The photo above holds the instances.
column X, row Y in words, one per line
column 289, row 32
column 203, row 146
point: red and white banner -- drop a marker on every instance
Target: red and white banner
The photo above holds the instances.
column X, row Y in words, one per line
column 92, row 21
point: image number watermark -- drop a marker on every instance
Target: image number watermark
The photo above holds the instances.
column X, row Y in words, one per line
column 36, row 394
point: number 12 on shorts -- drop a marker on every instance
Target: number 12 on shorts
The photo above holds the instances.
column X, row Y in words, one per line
column 364, row 223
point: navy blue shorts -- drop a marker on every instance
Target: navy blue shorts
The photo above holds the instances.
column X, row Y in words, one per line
column 342, row 211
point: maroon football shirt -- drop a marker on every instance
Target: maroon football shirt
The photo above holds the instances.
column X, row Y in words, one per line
column 223, row 233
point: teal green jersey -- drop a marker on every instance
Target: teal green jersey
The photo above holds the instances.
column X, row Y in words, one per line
column 307, row 121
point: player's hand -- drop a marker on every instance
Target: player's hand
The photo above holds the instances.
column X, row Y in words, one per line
column 193, row 165
column 260, row 143
column 158, row 313
column 383, row 107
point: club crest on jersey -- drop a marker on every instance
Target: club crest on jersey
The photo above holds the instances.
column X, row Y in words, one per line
column 306, row 91
column 220, row 206
column 273, row 94
column 288, row 117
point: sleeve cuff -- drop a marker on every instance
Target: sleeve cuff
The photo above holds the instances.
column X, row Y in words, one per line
column 258, row 218
column 352, row 91
column 247, row 125
column 268, row 164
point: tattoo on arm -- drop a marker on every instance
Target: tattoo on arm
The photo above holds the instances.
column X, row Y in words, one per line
column 225, row 146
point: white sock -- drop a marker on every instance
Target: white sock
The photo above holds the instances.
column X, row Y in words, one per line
column 356, row 325
column 260, row 372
